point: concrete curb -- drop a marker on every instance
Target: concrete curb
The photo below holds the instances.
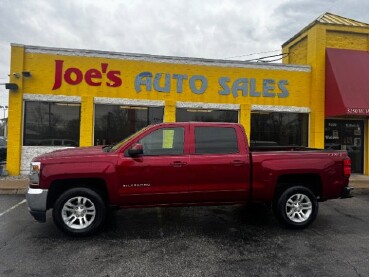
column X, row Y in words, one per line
column 13, row 191
column 13, row 186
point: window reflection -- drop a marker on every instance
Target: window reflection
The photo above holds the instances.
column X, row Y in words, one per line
column 215, row 140
column 165, row 141
column 279, row 129
column 203, row 115
column 346, row 135
column 113, row 123
column 51, row 124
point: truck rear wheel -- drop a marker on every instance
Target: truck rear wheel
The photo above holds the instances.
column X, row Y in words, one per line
column 296, row 207
column 79, row 212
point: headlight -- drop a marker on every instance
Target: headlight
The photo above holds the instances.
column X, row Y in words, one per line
column 34, row 174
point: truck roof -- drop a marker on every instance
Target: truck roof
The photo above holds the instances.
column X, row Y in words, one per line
column 196, row 123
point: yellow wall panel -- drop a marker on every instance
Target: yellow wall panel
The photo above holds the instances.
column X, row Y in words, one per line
column 170, row 111
column 298, row 52
column 87, row 121
column 245, row 118
column 15, row 115
column 347, row 40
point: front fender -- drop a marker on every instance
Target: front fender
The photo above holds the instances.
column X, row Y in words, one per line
column 58, row 171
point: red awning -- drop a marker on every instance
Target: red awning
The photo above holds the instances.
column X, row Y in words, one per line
column 346, row 82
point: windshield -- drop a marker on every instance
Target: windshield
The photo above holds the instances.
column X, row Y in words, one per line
column 119, row 144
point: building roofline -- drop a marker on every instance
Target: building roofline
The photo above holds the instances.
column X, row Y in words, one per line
column 160, row 58
column 329, row 19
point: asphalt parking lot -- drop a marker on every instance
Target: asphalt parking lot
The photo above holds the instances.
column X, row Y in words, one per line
column 190, row 241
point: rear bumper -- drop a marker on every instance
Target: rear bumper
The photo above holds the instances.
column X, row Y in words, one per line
column 37, row 203
column 346, row 192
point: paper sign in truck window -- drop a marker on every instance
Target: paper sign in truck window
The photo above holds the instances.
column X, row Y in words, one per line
column 168, row 138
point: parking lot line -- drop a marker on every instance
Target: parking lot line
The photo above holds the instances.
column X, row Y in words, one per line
column 12, row 208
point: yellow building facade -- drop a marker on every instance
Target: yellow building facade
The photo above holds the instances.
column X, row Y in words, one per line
column 92, row 81
column 310, row 45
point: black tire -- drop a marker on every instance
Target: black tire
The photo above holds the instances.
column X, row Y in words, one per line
column 296, row 208
column 83, row 209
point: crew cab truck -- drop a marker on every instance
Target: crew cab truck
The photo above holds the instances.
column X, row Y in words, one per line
column 183, row 164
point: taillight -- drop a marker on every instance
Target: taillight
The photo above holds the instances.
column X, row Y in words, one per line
column 347, row 167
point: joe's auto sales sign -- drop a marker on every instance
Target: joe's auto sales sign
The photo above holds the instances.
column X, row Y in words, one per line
column 105, row 75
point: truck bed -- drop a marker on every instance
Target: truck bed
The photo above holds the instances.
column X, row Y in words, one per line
column 282, row 148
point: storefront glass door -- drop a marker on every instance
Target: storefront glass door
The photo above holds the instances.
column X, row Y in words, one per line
column 346, row 135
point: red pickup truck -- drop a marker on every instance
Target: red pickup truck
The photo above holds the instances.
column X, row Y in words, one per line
column 183, row 164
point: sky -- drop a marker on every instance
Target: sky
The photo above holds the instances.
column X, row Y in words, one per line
column 217, row 29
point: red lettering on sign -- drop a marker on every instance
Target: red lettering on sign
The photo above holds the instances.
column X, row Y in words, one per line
column 58, row 74
column 115, row 80
column 93, row 77
column 73, row 76
column 104, row 67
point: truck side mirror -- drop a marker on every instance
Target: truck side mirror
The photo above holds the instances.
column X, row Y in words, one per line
column 135, row 150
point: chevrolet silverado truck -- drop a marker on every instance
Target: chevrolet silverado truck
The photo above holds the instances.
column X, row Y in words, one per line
column 183, row 164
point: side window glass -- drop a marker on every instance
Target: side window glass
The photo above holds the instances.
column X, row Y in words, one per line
column 2, row 142
column 215, row 140
column 57, row 142
column 165, row 141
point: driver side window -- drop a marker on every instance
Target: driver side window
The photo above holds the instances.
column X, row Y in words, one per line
column 162, row 142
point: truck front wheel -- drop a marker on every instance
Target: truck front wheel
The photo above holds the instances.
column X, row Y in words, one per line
column 296, row 207
column 79, row 212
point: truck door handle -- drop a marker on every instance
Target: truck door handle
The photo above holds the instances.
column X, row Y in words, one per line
column 237, row 162
column 178, row 164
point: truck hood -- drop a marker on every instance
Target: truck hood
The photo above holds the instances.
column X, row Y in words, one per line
column 72, row 152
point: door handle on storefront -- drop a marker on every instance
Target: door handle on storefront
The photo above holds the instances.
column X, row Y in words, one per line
column 178, row 164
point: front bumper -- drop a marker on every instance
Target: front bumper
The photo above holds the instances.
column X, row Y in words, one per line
column 37, row 203
column 346, row 192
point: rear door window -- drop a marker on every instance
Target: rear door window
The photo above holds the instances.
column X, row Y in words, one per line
column 215, row 140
